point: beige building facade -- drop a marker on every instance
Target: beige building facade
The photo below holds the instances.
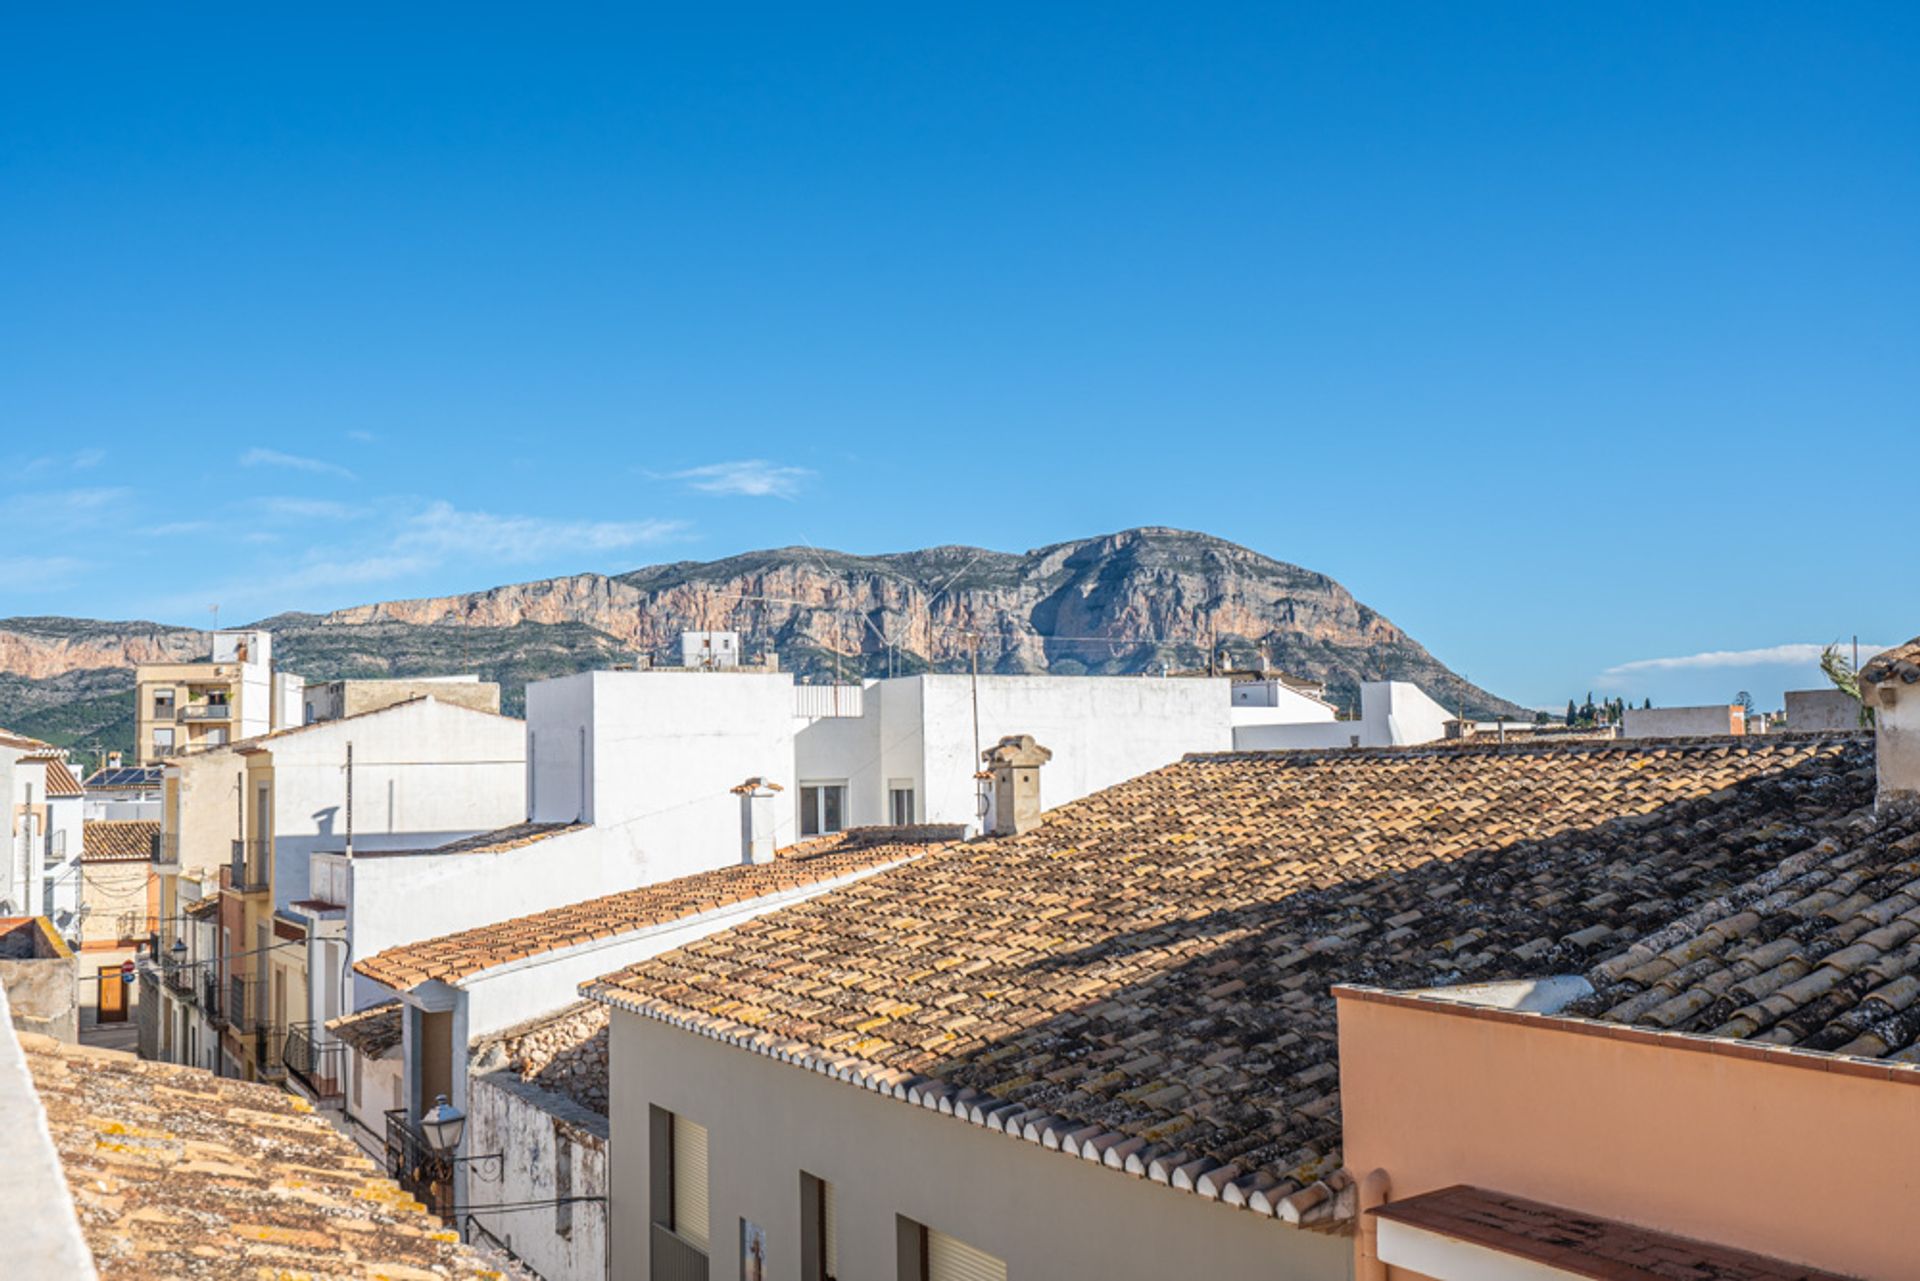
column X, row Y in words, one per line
column 183, row 708
column 894, row 1169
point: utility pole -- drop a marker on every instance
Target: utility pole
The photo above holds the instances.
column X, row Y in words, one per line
column 349, row 799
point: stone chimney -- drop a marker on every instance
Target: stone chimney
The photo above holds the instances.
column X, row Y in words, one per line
column 1014, row 767
column 756, row 819
column 1890, row 688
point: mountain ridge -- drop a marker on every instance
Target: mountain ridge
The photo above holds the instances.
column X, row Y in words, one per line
column 1137, row 600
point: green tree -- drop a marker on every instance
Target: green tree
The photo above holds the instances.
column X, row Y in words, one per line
column 1571, row 715
column 1839, row 670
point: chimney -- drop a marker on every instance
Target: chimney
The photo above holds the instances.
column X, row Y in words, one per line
column 1890, row 689
column 756, row 819
column 1014, row 766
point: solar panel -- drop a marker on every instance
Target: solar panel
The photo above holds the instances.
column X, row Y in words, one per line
column 126, row 776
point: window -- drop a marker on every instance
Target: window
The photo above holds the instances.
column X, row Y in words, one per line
column 927, row 1255
column 900, row 802
column 163, row 741
column 819, row 1246
column 217, row 736
column 823, row 808
column 163, row 704
column 678, row 1164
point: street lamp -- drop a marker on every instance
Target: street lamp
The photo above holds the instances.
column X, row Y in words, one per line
column 443, row 1125
column 179, row 949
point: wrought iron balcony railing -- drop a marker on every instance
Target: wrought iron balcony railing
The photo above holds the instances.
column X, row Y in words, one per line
column 316, row 1063
column 251, row 865
column 417, row 1167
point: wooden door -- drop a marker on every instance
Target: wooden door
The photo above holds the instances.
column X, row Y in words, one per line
column 113, row 995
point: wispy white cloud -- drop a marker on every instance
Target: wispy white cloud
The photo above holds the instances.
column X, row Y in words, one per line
column 446, row 531
column 364, row 437
column 257, row 457
column 175, row 528
column 281, row 508
column 24, row 573
column 747, row 478
column 1791, row 655
column 89, row 458
column 355, row 572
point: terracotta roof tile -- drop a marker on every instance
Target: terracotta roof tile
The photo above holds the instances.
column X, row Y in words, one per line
column 1144, row 978
column 20, row 742
column 60, row 779
column 176, row 1172
column 118, row 840
column 1580, row 1244
column 1902, row 662
column 498, row 841
column 455, row 956
column 374, row 1031
column 1820, row 952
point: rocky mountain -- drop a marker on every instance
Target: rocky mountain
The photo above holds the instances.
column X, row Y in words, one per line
column 1142, row 600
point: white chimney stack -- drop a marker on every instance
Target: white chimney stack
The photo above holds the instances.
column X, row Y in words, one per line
column 1890, row 688
column 756, row 819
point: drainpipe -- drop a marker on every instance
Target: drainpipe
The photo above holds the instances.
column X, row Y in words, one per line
column 1373, row 1193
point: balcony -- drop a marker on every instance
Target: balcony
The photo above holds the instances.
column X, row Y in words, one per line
column 318, row 1067
column 418, row 1168
column 251, row 867
column 179, row 978
column 204, row 712
column 820, row 702
column 210, row 1003
column 267, row 1061
column 674, row 1259
column 243, row 1005
column 166, row 849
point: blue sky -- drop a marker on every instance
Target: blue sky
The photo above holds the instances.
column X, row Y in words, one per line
column 1570, row 338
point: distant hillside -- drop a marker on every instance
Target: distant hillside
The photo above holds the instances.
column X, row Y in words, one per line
column 1124, row 603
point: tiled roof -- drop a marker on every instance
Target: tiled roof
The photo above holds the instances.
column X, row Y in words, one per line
column 1821, row 952
column 118, row 840
column 1580, row 1245
column 497, row 841
column 1902, row 662
column 20, row 742
column 60, row 779
column 1143, row 979
column 373, row 1031
column 176, row 1172
column 455, row 956
column 201, row 908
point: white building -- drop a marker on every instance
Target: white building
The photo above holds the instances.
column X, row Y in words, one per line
column 907, row 750
column 1392, row 714
column 1683, row 722
column 40, row 872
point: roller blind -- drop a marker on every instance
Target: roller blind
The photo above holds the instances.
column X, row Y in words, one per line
column 829, row 1231
column 951, row 1260
column 690, row 1181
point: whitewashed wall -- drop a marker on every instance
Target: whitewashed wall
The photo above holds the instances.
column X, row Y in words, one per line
column 1392, row 714
column 531, row 1127
column 651, row 758
column 422, row 772
column 920, row 730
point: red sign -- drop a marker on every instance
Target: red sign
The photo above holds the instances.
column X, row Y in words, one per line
column 126, row 971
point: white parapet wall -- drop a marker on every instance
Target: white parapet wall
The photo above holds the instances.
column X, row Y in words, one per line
column 1683, row 722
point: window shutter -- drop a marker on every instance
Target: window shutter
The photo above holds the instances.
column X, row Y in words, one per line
column 829, row 1231
column 952, row 1260
column 690, row 1181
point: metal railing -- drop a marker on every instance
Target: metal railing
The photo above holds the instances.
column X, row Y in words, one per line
column 267, row 1042
column 243, row 1001
column 251, row 865
column 418, row 1168
column 819, row 701
column 178, row 977
column 204, row 712
column 318, row 1066
column 210, row 1003
column 674, row 1259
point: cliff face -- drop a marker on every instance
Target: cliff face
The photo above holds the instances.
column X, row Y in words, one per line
column 1135, row 601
